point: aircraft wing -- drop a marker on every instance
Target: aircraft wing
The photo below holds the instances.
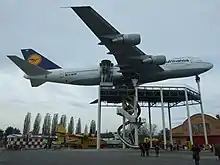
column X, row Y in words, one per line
column 127, row 56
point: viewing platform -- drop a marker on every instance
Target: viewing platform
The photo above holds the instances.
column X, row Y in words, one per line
column 172, row 96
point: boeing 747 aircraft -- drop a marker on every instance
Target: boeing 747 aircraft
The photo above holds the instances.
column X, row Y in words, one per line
column 131, row 60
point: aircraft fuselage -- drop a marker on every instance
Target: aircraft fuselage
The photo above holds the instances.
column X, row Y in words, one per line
column 175, row 68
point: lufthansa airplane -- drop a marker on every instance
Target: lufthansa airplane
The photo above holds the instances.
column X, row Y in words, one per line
column 131, row 60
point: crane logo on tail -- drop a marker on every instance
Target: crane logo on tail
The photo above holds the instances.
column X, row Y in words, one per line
column 35, row 59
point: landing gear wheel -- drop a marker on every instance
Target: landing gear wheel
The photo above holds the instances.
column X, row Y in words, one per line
column 135, row 76
column 197, row 78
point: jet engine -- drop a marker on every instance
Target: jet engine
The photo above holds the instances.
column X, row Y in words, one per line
column 130, row 39
column 158, row 60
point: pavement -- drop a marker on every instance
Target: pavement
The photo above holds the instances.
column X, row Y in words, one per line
column 105, row 156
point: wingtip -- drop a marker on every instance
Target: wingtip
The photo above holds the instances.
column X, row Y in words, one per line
column 80, row 7
column 65, row 7
column 9, row 56
column 26, row 49
column 76, row 7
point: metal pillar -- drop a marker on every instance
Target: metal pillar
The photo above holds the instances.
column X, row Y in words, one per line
column 188, row 115
column 123, row 118
column 99, row 118
column 170, row 125
column 134, row 81
column 106, row 80
column 202, row 111
column 150, row 124
column 163, row 118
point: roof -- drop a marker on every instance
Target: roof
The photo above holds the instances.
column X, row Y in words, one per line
column 195, row 116
column 199, row 115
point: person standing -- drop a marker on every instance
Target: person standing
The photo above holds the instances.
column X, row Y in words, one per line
column 217, row 150
column 171, row 147
column 146, row 147
column 196, row 153
column 157, row 149
column 141, row 146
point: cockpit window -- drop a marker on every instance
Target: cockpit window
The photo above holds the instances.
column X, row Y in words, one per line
column 195, row 59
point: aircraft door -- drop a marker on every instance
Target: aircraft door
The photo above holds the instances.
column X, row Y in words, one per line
column 106, row 71
column 62, row 74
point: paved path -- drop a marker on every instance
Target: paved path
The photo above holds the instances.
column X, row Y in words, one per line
column 106, row 157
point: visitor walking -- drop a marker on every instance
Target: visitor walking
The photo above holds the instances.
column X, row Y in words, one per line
column 196, row 153
column 157, row 150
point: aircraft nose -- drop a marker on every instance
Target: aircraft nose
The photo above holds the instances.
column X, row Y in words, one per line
column 209, row 65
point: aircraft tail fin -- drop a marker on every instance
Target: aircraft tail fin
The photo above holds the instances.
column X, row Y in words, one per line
column 36, row 58
column 36, row 82
column 27, row 68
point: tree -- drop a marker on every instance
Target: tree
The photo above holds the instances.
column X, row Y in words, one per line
column 167, row 134
column 154, row 129
column 144, row 130
column 27, row 124
column 54, row 123
column 1, row 134
column 36, row 127
column 71, row 126
column 92, row 128
column 11, row 130
column 46, row 125
column 78, row 127
column 17, row 131
column 63, row 121
column 86, row 129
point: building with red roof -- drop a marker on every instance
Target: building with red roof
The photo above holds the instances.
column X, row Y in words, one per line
column 181, row 133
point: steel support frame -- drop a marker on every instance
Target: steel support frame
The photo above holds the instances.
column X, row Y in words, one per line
column 154, row 105
column 134, row 81
column 163, row 119
column 189, row 120
column 99, row 118
column 145, row 104
column 170, row 125
column 150, row 124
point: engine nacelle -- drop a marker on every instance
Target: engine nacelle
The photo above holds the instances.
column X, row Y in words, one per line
column 159, row 60
column 130, row 39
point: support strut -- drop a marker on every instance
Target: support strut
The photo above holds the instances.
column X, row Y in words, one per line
column 202, row 111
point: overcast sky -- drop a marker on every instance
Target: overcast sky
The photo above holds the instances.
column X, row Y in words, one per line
column 173, row 28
